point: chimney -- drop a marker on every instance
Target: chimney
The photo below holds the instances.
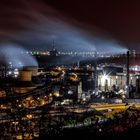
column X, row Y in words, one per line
column 127, row 74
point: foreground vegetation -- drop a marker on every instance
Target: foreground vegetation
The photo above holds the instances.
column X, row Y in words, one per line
column 115, row 122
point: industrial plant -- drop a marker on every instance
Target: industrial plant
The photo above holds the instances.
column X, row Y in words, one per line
column 29, row 93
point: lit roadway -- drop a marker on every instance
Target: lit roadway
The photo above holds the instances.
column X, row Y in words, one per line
column 101, row 107
column 110, row 106
column 115, row 106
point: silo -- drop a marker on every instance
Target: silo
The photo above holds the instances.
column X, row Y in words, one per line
column 33, row 69
column 25, row 75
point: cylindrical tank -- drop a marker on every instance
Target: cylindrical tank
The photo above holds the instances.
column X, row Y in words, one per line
column 33, row 69
column 138, row 85
column 25, row 75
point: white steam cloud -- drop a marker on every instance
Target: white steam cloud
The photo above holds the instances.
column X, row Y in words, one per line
column 17, row 56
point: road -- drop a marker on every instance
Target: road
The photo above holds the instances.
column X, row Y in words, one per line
column 114, row 106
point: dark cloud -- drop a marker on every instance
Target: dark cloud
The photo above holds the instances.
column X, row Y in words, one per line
column 73, row 25
column 121, row 18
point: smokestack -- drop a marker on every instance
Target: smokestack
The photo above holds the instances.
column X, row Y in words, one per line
column 127, row 74
column 95, row 73
column 78, row 64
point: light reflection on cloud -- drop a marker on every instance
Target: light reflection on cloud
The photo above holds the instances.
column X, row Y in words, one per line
column 35, row 26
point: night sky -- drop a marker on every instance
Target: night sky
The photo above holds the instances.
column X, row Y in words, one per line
column 81, row 24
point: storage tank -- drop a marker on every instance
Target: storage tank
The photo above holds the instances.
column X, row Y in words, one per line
column 33, row 69
column 25, row 75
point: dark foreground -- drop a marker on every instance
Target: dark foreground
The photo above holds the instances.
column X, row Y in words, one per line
column 123, row 126
column 132, row 134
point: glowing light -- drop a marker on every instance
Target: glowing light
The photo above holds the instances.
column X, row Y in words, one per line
column 15, row 76
column 42, row 102
column 74, row 77
column 29, row 116
column 102, row 97
column 50, row 94
column 16, row 72
column 16, row 69
column 84, row 99
column 15, row 123
column 136, row 68
column 70, row 92
column 123, row 96
column 104, row 78
column 10, row 72
column 57, row 94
